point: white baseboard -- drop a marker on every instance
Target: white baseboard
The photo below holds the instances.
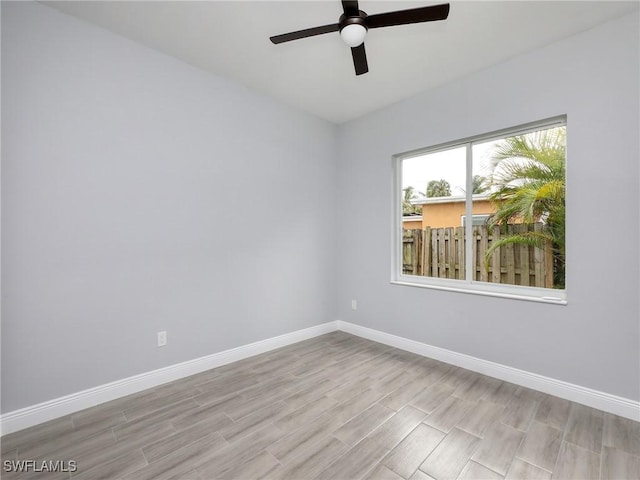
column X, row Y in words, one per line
column 593, row 398
column 58, row 407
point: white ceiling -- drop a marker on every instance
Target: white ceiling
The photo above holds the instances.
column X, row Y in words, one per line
column 231, row 39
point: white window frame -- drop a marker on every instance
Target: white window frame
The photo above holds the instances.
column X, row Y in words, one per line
column 483, row 216
column 536, row 294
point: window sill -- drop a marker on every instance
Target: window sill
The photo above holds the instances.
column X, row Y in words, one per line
column 480, row 291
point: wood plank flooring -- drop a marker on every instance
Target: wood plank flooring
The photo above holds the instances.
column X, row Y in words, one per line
column 334, row 407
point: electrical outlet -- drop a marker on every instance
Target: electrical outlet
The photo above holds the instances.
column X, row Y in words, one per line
column 354, row 305
column 162, row 338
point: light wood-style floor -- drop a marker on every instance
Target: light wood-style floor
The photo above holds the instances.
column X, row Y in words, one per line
column 336, row 407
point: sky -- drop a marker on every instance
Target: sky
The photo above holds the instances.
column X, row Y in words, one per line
column 448, row 165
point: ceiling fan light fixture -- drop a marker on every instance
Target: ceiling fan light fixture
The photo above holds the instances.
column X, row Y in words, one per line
column 354, row 23
column 353, row 34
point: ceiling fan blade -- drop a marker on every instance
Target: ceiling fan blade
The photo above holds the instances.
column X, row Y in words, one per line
column 350, row 8
column 308, row 32
column 404, row 17
column 360, row 59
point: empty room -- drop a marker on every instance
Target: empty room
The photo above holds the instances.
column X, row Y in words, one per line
column 320, row 240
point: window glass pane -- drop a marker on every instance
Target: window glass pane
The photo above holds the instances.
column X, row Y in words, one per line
column 520, row 182
column 433, row 203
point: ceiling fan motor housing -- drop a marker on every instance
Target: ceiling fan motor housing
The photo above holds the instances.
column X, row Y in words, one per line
column 361, row 19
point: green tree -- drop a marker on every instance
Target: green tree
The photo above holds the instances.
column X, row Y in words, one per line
column 479, row 184
column 527, row 186
column 438, row 188
column 407, row 207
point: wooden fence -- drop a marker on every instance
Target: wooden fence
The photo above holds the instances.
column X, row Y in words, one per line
column 440, row 252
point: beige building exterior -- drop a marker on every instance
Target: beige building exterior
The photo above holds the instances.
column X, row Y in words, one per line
column 413, row 222
column 438, row 212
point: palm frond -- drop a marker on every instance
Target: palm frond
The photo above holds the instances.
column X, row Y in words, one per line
column 532, row 239
column 544, row 146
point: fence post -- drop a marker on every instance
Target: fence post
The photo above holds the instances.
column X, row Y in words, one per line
column 548, row 265
column 481, row 249
column 496, row 274
column 538, row 261
column 460, row 256
column 434, row 252
column 423, row 248
column 415, row 252
column 525, row 252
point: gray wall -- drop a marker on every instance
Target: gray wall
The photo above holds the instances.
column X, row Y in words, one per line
column 595, row 340
column 140, row 194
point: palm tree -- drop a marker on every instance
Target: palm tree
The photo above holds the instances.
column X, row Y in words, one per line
column 407, row 207
column 528, row 186
column 479, row 184
column 438, row 188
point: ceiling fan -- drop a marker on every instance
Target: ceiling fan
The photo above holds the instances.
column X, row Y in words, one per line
column 354, row 23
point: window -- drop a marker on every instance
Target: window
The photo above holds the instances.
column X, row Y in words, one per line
column 512, row 185
column 476, row 219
